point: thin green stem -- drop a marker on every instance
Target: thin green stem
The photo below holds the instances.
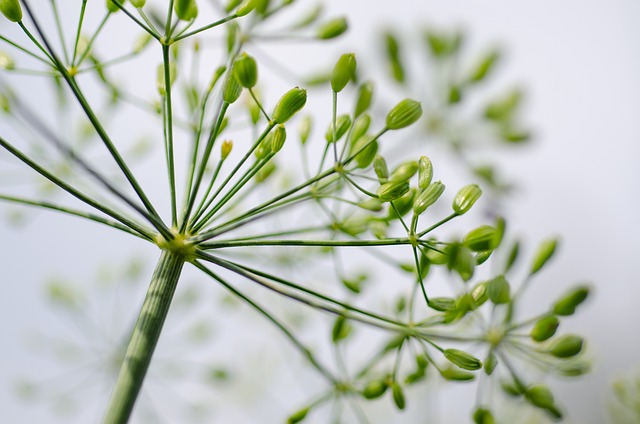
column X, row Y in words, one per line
column 24, row 50
column 221, row 244
column 79, row 31
column 168, row 124
column 87, row 49
column 63, row 43
column 206, row 27
column 144, row 337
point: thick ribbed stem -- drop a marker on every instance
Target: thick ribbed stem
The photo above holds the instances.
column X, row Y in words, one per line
column 144, row 337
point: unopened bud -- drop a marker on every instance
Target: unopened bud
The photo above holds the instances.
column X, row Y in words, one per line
column 226, row 148
column 298, row 416
column 360, row 126
column 392, row 190
column 482, row 238
column 463, row 359
column 375, row 389
column 343, row 72
column 545, row 251
column 454, row 374
column 540, row 396
column 245, row 7
column 483, row 416
column 398, row 395
column 404, row 114
column 380, row 167
column 332, row 29
column 425, row 172
column 11, row 10
column 442, row 304
column 6, row 61
column 365, row 93
column 138, row 4
column 112, row 7
column 186, row 10
column 499, row 290
column 246, row 70
column 367, row 148
column 567, row 346
column 490, row 363
column 567, row 304
column 343, row 123
column 290, row 103
column 278, row 139
column 404, row 171
column 428, row 197
column 232, row 88
column 465, row 198
column 545, row 328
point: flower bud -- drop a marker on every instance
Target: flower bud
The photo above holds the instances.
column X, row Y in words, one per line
column 380, row 167
column 225, row 149
column 442, row 304
column 343, row 123
column 232, row 88
column 404, row 114
column 425, row 172
column 298, row 416
column 6, row 61
column 545, row 328
column 454, row 374
column 265, row 172
column 343, row 72
column 465, row 198
column 404, row 171
column 332, row 29
column 11, row 10
column 540, row 396
column 483, row 416
column 368, row 153
column 375, row 389
column 278, row 139
column 543, row 254
column 567, row 346
column 484, row 66
column 567, row 304
column 499, row 290
column 428, row 197
column 262, row 6
column 460, row 259
column 372, row 205
column 482, row 238
column 290, row 103
column 304, row 129
column 360, row 126
column 392, row 190
column 490, row 363
column 186, row 10
column 462, row 359
column 365, row 93
column 138, row 4
column 398, row 395
column 246, row 70
column 245, row 7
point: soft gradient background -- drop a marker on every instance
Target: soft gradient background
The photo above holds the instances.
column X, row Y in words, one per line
column 580, row 64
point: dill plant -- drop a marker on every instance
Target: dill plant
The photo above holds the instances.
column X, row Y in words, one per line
column 347, row 198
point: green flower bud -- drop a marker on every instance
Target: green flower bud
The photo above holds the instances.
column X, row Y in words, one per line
column 220, row 70
column 225, row 149
column 503, row 109
column 479, row 294
column 246, row 70
column 514, row 390
column 540, row 396
column 482, row 257
column 545, row 328
column 462, row 359
column 574, row 369
column 428, row 197
column 404, row 114
column 245, row 7
column 372, row 205
column 545, row 251
column 567, row 346
column 332, row 29
column 465, row 198
column 360, row 126
column 461, row 260
column 341, row 329
column 483, row 416
column 343, row 123
column 232, row 88
column 404, row 171
column 378, row 229
column 398, row 395
column 490, row 363
column 365, row 93
column 393, row 54
column 375, row 389
column 425, row 172
column 454, row 374
column 442, row 304
column 304, row 129
column 482, row 238
column 298, row 416
column 567, row 304
column 11, row 10
column 290, row 103
column 186, row 10
column 380, row 167
column 499, row 290
column 368, row 153
column 6, row 61
column 112, row 7
column 392, row 190
column 343, row 71
column 265, row 172
column 513, row 255
column 484, row 66
column 138, row 4
column 455, row 94
column 262, row 6
column 278, row 139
